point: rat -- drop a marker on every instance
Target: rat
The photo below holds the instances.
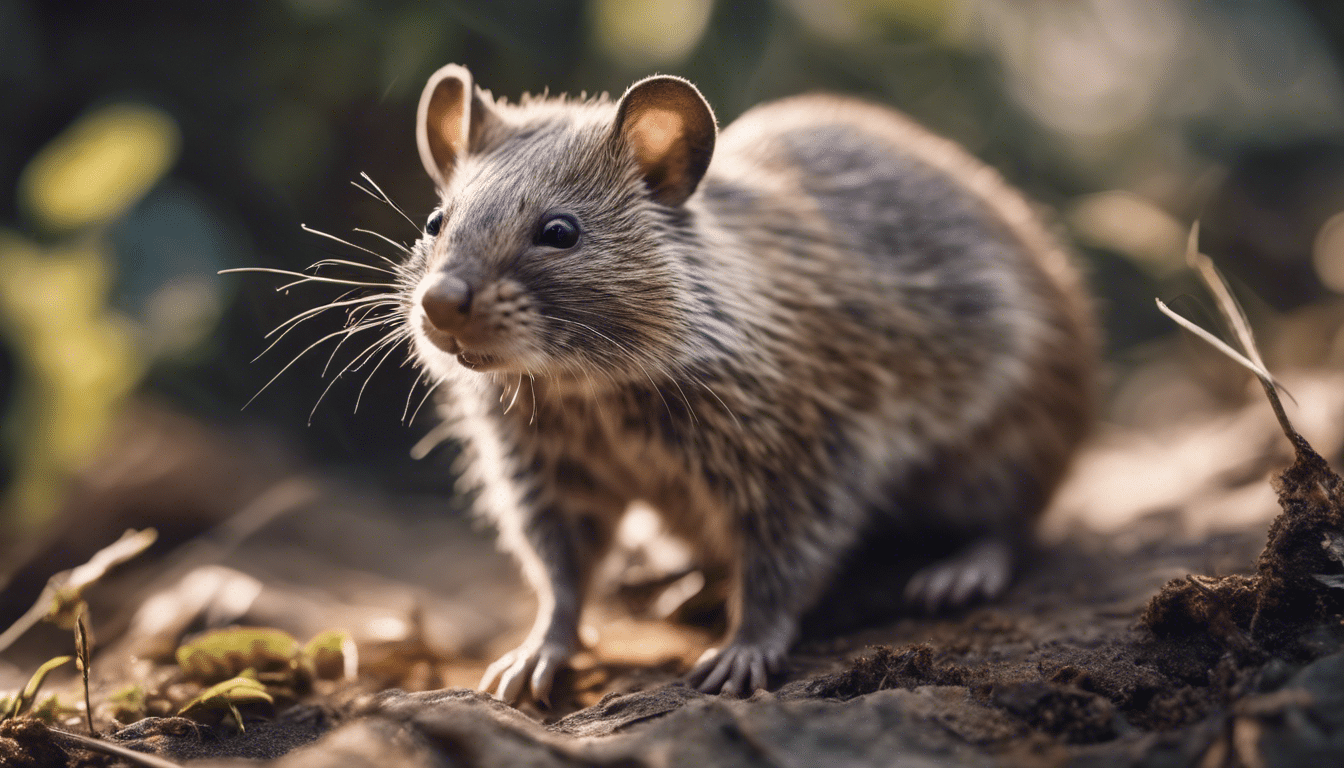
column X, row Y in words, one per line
column 820, row 327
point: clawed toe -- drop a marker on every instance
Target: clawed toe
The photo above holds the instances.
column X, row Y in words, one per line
column 736, row 670
column 980, row 572
column 525, row 670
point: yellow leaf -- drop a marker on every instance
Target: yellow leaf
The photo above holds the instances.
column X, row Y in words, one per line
column 99, row 167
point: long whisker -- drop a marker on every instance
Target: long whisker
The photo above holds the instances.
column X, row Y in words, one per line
column 715, row 395
column 421, row 404
column 695, row 420
column 533, row 418
column 354, row 364
column 345, row 242
column 516, row 389
column 372, row 299
column 399, row 246
column 361, row 326
column 383, row 196
column 347, row 263
column 304, row 278
column 300, row 318
column 306, row 350
column 396, row 339
column 360, row 313
column 592, row 386
column 419, row 376
column 630, row 357
column 297, row 320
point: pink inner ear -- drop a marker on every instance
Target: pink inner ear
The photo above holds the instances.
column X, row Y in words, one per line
column 654, row 134
column 452, row 129
column 445, row 124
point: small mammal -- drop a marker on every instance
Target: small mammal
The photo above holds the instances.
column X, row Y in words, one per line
column 819, row 326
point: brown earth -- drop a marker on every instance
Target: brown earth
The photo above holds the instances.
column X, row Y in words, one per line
column 1077, row 665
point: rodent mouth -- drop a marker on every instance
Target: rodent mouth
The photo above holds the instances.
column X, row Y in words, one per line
column 445, row 341
column 470, row 359
column 477, row 361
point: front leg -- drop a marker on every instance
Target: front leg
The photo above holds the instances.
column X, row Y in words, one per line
column 552, row 563
column 557, row 546
column 785, row 560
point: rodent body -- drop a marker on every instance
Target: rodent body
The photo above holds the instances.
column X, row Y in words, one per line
column 841, row 326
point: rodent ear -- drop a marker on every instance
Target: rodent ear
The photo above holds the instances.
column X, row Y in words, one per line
column 670, row 127
column 450, row 120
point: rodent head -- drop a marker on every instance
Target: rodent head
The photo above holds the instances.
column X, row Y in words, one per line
column 554, row 249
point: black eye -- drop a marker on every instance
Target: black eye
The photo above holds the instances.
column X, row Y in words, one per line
column 559, row 232
column 435, row 221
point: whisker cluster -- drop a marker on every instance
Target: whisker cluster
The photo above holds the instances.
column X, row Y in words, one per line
column 378, row 303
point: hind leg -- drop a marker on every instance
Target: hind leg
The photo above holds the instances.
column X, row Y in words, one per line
column 987, row 506
column 980, row 571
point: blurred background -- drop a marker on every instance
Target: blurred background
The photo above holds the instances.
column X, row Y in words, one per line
column 144, row 147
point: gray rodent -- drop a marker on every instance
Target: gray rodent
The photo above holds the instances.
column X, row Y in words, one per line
column 821, row 326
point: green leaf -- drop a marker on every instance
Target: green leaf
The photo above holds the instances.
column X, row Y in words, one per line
column 331, row 655
column 127, row 704
column 226, row 653
column 50, row 710
column 227, row 696
column 19, row 703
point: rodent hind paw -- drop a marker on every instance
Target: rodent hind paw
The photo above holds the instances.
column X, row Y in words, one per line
column 980, row 572
column 736, row 670
column 527, row 668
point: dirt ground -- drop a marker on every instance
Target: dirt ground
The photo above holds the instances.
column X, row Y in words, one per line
column 1077, row 665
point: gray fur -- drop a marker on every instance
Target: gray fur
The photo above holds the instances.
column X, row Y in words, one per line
column 850, row 328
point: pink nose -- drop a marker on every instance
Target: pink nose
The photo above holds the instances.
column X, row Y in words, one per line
column 447, row 303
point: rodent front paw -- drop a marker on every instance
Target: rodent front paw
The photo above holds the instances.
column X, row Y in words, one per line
column 530, row 663
column 726, row 670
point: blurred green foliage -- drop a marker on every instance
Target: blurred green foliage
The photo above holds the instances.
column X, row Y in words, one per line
column 77, row 359
column 143, row 147
column 98, row 168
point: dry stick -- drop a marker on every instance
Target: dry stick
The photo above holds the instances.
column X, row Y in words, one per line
column 1265, row 379
column 30, row 618
column 1235, row 317
column 283, row 497
column 116, row 750
column 1227, row 303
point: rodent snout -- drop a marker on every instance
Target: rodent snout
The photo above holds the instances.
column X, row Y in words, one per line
column 447, row 303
